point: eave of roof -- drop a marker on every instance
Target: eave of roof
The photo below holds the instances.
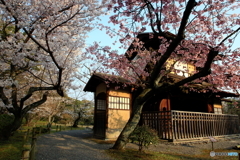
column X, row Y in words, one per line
column 98, row 78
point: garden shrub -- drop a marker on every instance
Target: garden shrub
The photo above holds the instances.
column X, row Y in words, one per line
column 144, row 136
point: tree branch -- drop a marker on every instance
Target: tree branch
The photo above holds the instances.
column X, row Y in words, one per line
column 229, row 36
column 149, row 11
column 3, row 97
column 180, row 36
column 206, row 70
column 35, row 104
column 32, row 90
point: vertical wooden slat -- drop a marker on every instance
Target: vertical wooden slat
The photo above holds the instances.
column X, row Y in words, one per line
column 207, row 125
column 178, row 126
column 204, row 125
column 189, row 125
column 186, row 125
column 219, row 124
column 197, row 126
column 192, row 125
column 160, row 125
column 222, row 125
column 173, row 125
column 168, row 126
column 201, row 125
column 210, row 124
column 213, row 124
column 183, row 125
column 164, row 125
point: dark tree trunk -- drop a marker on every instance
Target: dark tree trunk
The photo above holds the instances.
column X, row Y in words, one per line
column 133, row 121
column 128, row 129
column 9, row 130
column 19, row 113
column 50, row 121
column 75, row 124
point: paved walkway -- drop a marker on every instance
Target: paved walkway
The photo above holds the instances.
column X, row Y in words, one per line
column 74, row 145
column 70, row 145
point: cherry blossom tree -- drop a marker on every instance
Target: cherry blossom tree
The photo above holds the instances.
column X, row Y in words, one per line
column 83, row 110
column 200, row 32
column 40, row 45
column 53, row 106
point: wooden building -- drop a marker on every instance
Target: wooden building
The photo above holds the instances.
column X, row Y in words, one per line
column 176, row 115
column 112, row 107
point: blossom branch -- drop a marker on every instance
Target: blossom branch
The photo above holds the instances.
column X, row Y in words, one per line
column 238, row 29
column 180, row 36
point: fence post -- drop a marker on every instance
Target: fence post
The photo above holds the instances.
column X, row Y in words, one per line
column 25, row 154
column 33, row 132
column 25, row 151
column 32, row 152
column 40, row 130
column 25, row 138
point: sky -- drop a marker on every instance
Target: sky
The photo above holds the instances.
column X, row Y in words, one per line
column 101, row 36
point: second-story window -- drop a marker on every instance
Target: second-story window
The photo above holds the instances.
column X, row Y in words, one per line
column 181, row 68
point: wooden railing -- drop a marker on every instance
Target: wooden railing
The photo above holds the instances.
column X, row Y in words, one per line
column 174, row 125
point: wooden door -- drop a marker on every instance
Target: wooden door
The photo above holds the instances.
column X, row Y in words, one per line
column 100, row 116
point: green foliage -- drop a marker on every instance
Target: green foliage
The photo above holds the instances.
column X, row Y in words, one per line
column 40, row 130
column 232, row 107
column 88, row 120
column 12, row 149
column 5, row 121
column 144, row 136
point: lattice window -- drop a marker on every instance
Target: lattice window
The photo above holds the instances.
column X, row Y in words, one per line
column 217, row 110
column 101, row 104
column 119, row 103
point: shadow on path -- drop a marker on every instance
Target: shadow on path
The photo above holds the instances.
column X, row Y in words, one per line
column 70, row 145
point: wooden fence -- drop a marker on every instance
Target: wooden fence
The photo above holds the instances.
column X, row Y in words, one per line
column 176, row 125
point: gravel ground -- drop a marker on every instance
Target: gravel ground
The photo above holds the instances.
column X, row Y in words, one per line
column 70, row 145
column 76, row 145
column 192, row 148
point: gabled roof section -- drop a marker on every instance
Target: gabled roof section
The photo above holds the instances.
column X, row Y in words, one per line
column 153, row 42
column 98, row 78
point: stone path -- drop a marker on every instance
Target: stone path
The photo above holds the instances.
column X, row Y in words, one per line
column 70, row 145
